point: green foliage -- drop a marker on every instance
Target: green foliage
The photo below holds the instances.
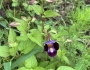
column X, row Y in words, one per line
column 4, row 51
column 65, row 68
column 31, row 62
column 24, row 28
column 50, row 13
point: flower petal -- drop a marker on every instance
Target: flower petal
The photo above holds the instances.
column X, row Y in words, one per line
column 56, row 45
column 46, row 47
column 52, row 54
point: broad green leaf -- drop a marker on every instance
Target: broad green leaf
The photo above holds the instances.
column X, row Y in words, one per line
column 7, row 66
column 39, row 68
column 50, row 13
column 37, row 9
column 12, row 36
column 26, row 46
column 80, row 65
column 23, row 68
column 22, row 38
column 65, row 68
column 44, row 63
column 24, row 57
column 4, row 51
column 31, row 62
column 51, row 65
column 36, row 37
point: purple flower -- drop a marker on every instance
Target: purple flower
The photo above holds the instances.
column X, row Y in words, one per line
column 51, row 47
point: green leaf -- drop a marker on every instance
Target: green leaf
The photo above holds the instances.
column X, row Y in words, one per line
column 39, row 68
column 9, row 13
column 50, row 13
column 13, row 51
column 65, row 68
column 4, row 51
column 22, row 68
column 51, row 65
column 44, row 63
column 31, row 62
column 15, row 4
column 7, row 66
column 80, row 65
column 24, row 57
column 23, row 27
column 65, row 59
column 22, row 38
column 36, row 37
column 26, row 46
column 37, row 9
column 12, row 36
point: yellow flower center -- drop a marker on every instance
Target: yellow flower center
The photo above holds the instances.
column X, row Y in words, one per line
column 51, row 49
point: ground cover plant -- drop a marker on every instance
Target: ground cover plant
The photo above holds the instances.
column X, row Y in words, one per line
column 44, row 35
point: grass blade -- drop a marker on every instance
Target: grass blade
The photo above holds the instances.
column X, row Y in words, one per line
column 24, row 57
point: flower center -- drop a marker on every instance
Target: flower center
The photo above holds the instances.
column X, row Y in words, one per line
column 49, row 45
column 51, row 49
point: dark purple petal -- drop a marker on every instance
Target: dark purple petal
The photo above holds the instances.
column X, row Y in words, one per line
column 52, row 54
column 56, row 45
column 46, row 47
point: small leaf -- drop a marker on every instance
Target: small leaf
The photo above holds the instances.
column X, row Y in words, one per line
column 65, row 59
column 65, row 68
column 13, row 51
column 12, row 36
column 37, row 9
column 31, row 62
column 50, row 13
column 7, row 66
column 9, row 13
column 4, row 51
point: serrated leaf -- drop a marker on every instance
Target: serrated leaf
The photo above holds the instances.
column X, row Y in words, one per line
column 37, row 9
column 26, row 46
column 12, row 36
column 39, row 68
column 4, row 51
column 31, row 62
column 50, row 13
column 65, row 68
column 36, row 37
